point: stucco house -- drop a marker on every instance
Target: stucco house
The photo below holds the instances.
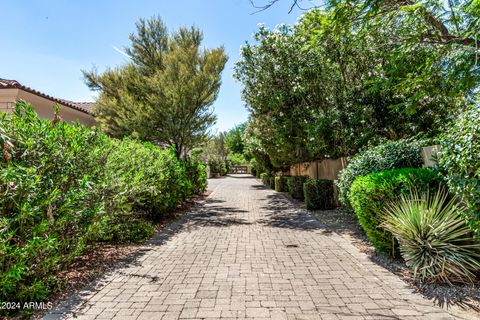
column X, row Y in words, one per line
column 11, row 91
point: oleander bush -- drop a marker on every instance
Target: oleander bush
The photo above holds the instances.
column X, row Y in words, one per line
column 390, row 155
column 371, row 194
column 295, row 186
column 64, row 186
column 319, row 194
column 459, row 162
column 434, row 239
column 281, row 184
column 217, row 166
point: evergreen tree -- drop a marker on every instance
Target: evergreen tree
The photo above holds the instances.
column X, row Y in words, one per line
column 165, row 93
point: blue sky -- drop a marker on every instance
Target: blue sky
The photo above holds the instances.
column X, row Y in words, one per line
column 46, row 43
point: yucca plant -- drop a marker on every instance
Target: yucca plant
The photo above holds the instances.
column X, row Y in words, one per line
column 434, row 239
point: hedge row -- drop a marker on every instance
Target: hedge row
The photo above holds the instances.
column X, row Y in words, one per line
column 317, row 193
column 64, row 186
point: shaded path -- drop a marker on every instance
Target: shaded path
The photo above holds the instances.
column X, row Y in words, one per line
column 249, row 253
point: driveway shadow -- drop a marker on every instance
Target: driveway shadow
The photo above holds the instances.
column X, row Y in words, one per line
column 213, row 213
column 282, row 213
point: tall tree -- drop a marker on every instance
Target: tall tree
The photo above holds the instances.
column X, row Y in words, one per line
column 164, row 94
column 341, row 79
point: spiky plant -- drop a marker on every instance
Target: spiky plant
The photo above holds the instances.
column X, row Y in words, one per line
column 433, row 237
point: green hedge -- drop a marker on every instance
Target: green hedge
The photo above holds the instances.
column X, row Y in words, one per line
column 64, row 186
column 271, row 182
column 369, row 196
column 319, row 194
column 281, row 183
column 389, row 155
column 295, row 186
column 459, row 162
column 265, row 177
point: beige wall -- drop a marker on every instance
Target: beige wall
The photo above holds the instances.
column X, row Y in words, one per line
column 43, row 106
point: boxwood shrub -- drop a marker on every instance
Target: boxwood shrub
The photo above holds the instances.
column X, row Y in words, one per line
column 295, row 186
column 319, row 194
column 281, row 183
column 271, row 182
column 459, row 163
column 390, row 155
column 371, row 194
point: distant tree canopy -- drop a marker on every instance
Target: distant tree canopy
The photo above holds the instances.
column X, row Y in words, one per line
column 234, row 139
column 165, row 93
column 356, row 73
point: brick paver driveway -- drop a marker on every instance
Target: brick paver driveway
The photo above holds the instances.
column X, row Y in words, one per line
column 249, row 253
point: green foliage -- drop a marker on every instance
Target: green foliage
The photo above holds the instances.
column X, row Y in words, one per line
column 64, row 186
column 234, row 139
column 265, row 177
column 370, row 195
column 215, row 153
column 271, row 182
column 236, row 159
column 295, row 186
column 433, row 237
column 459, row 161
column 319, row 194
column 164, row 95
column 217, row 166
column 49, row 178
column 357, row 73
column 281, row 183
column 389, row 155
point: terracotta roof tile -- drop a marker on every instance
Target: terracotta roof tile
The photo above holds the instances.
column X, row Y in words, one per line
column 86, row 107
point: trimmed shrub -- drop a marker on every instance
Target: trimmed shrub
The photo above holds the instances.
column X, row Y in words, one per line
column 289, row 184
column 281, row 183
column 318, row 194
column 371, row 194
column 265, row 178
column 271, row 182
column 459, row 163
column 295, row 186
column 434, row 239
column 64, row 186
column 390, row 155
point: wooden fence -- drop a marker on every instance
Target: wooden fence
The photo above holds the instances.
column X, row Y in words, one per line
column 329, row 169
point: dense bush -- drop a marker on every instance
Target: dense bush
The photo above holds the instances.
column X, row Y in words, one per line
column 390, row 155
column 217, row 166
column 271, row 182
column 434, row 239
column 65, row 185
column 459, row 162
column 319, row 194
column 295, row 186
column 371, row 194
column 281, row 183
column 265, row 177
